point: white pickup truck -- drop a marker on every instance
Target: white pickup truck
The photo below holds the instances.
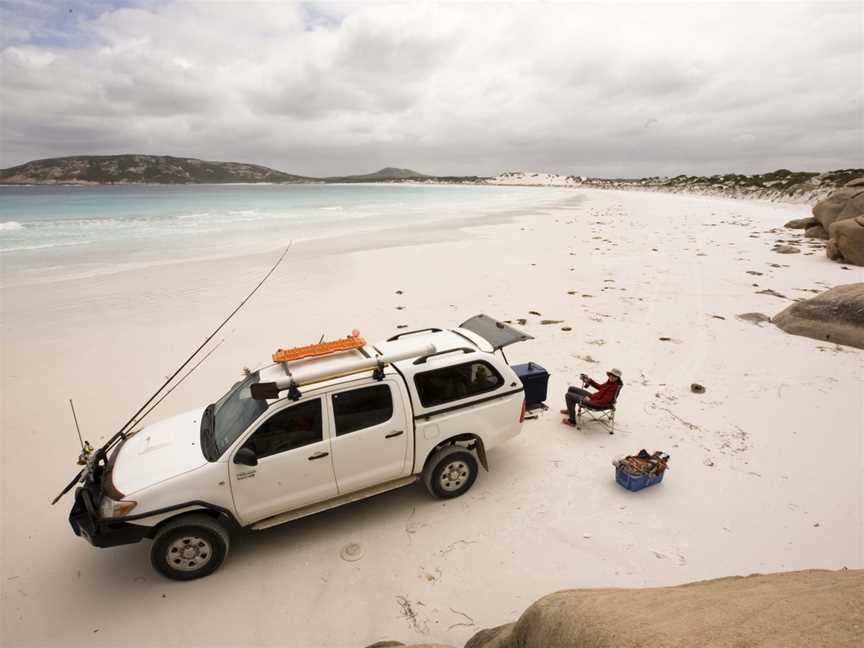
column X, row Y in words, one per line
column 302, row 436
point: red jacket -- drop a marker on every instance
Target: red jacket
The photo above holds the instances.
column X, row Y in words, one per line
column 606, row 393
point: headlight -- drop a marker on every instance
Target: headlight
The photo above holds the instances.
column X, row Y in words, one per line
column 111, row 508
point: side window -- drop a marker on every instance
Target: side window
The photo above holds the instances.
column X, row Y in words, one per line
column 459, row 381
column 290, row 428
column 362, row 408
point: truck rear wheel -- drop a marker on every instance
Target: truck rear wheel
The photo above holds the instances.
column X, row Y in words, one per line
column 189, row 547
column 451, row 472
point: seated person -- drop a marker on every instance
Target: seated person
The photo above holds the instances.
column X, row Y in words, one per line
column 603, row 397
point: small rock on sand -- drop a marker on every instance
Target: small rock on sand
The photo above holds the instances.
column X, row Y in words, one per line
column 773, row 293
column 534, row 313
column 696, row 388
column 816, row 232
column 802, row 223
column 785, row 249
column 550, row 321
column 754, row 318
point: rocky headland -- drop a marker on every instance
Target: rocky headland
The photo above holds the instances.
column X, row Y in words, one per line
column 140, row 169
column 165, row 169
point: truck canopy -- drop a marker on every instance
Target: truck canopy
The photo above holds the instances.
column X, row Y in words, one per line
column 496, row 333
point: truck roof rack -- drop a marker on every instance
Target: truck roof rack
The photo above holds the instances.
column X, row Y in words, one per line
column 426, row 330
column 424, row 358
column 338, row 367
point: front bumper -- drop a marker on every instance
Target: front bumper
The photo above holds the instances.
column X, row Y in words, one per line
column 85, row 521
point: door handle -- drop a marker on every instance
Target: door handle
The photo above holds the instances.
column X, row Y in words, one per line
column 394, row 433
column 318, row 455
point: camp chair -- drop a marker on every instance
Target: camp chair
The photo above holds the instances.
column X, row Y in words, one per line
column 605, row 414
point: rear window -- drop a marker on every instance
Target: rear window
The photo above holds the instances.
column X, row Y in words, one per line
column 448, row 384
column 362, row 408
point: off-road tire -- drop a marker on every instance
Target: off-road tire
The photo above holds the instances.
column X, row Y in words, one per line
column 450, row 472
column 204, row 541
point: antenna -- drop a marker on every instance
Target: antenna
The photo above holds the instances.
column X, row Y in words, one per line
column 81, row 441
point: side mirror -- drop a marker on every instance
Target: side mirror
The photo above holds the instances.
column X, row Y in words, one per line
column 246, row 457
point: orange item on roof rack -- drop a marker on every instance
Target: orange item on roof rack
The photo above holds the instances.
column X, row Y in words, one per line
column 354, row 341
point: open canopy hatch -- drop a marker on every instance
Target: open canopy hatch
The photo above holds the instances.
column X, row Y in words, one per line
column 496, row 333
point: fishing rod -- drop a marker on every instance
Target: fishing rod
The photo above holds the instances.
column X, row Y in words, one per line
column 122, row 432
column 93, row 457
column 77, row 427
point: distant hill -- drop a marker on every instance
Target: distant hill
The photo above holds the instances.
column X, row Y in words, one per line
column 132, row 169
column 384, row 175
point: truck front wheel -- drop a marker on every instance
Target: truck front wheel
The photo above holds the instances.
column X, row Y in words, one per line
column 189, row 547
column 451, row 472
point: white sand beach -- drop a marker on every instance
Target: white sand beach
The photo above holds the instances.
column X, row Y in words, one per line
column 766, row 465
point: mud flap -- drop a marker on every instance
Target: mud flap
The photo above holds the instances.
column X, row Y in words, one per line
column 481, row 454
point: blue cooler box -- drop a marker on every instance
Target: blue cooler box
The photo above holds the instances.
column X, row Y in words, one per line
column 636, row 482
column 535, row 380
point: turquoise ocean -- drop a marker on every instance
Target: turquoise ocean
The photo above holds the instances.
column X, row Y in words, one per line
column 54, row 233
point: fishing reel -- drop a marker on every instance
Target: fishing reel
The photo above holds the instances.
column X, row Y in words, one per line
column 86, row 453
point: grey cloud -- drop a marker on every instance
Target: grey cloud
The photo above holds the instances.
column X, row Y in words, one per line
column 331, row 89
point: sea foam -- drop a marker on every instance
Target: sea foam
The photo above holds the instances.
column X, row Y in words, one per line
column 11, row 226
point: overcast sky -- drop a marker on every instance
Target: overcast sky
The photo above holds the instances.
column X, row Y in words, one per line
column 324, row 89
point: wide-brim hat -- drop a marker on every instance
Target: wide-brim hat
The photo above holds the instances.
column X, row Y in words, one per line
column 614, row 372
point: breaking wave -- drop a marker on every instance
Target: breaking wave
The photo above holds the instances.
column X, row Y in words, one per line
column 11, row 226
column 41, row 246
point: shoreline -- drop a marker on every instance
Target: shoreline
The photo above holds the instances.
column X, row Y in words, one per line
column 393, row 235
column 808, row 198
column 341, row 242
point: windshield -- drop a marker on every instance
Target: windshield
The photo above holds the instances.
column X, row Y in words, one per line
column 235, row 412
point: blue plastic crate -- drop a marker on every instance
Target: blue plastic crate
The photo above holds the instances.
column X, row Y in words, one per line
column 636, row 482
